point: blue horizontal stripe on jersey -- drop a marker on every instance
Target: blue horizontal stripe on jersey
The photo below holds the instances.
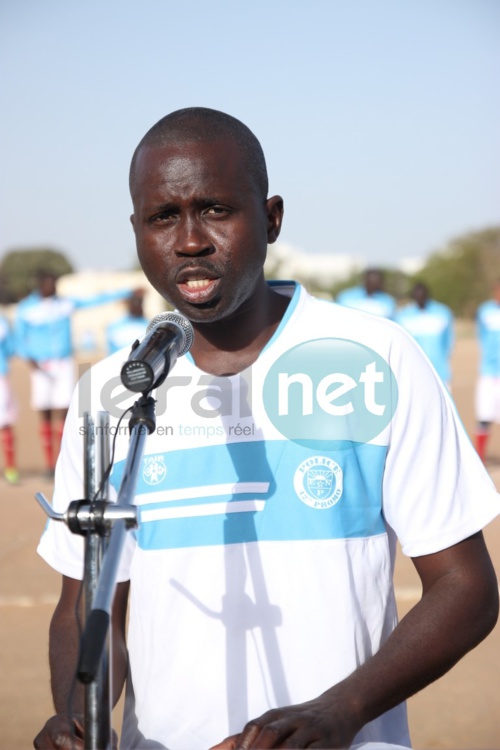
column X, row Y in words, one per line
column 284, row 516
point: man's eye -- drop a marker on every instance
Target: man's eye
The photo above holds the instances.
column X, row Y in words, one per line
column 163, row 216
column 214, row 210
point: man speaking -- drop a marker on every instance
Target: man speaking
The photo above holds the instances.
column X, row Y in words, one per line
column 262, row 607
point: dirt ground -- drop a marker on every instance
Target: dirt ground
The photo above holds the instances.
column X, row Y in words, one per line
column 460, row 711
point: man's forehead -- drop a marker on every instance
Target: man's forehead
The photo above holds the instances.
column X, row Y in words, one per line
column 187, row 166
column 190, row 152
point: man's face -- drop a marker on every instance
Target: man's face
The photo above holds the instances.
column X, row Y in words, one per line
column 202, row 228
column 47, row 286
column 135, row 306
column 373, row 282
column 419, row 294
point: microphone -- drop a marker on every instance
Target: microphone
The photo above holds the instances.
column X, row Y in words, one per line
column 168, row 336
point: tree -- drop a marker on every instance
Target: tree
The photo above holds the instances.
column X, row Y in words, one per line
column 461, row 274
column 18, row 269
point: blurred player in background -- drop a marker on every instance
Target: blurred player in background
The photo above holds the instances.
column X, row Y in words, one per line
column 370, row 297
column 132, row 326
column 8, row 411
column 431, row 324
column 43, row 338
column 488, row 384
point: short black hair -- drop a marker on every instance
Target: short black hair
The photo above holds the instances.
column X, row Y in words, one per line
column 203, row 125
column 420, row 285
column 373, row 270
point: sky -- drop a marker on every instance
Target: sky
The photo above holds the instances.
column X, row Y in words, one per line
column 380, row 119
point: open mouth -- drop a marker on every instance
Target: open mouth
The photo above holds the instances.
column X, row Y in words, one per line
column 199, row 290
column 198, row 283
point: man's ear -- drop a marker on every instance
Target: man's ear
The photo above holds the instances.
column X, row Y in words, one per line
column 275, row 210
column 132, row 220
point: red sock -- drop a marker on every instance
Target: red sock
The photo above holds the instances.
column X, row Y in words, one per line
column 8, row 447
column 481, row 441
column 58, row 431
column 46, row 441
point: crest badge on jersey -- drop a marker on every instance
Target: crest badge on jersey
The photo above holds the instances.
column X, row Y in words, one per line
column 154, row 470
column 318, row 482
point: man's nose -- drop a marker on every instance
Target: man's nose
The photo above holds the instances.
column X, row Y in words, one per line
column 192, row 239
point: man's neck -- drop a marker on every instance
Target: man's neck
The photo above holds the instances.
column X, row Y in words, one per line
column 230, row 346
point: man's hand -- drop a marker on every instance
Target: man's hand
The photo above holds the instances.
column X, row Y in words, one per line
column 34, row 364
column 317, row 723
column 60, row 733
column 64, row 733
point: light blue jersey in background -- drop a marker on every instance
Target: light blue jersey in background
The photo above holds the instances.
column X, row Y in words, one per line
column 377, row 303
column 488, row 330
column 43, row 324
column 124, row 332
column 6, row 345
column 433, row 328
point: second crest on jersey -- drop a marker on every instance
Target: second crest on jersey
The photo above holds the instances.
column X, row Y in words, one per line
column 318, row 482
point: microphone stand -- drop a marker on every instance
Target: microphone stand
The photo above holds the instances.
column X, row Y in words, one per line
column 104, row 526
column 96, row 723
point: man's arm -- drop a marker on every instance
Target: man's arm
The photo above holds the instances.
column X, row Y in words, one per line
column 458, row 608
column 62, row 731
column 103, row 298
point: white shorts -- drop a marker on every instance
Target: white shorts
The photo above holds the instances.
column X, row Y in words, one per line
column 52, row 384
column 488, row 399
column 8, row 406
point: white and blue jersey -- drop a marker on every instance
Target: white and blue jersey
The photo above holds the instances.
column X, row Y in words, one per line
column 269, row 505
column 377, row 303
column 43, row 324
column 488, row 330
column 6, row 345
column 433, row 329
column 124, row 332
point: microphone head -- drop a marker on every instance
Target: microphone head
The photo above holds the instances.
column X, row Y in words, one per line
column 168, row 336
column 177, row 319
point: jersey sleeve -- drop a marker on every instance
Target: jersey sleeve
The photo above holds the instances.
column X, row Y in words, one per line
column 436, row 491
column 6, row 338
column 59, row 547
column 103, row 298
column 20, row 332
